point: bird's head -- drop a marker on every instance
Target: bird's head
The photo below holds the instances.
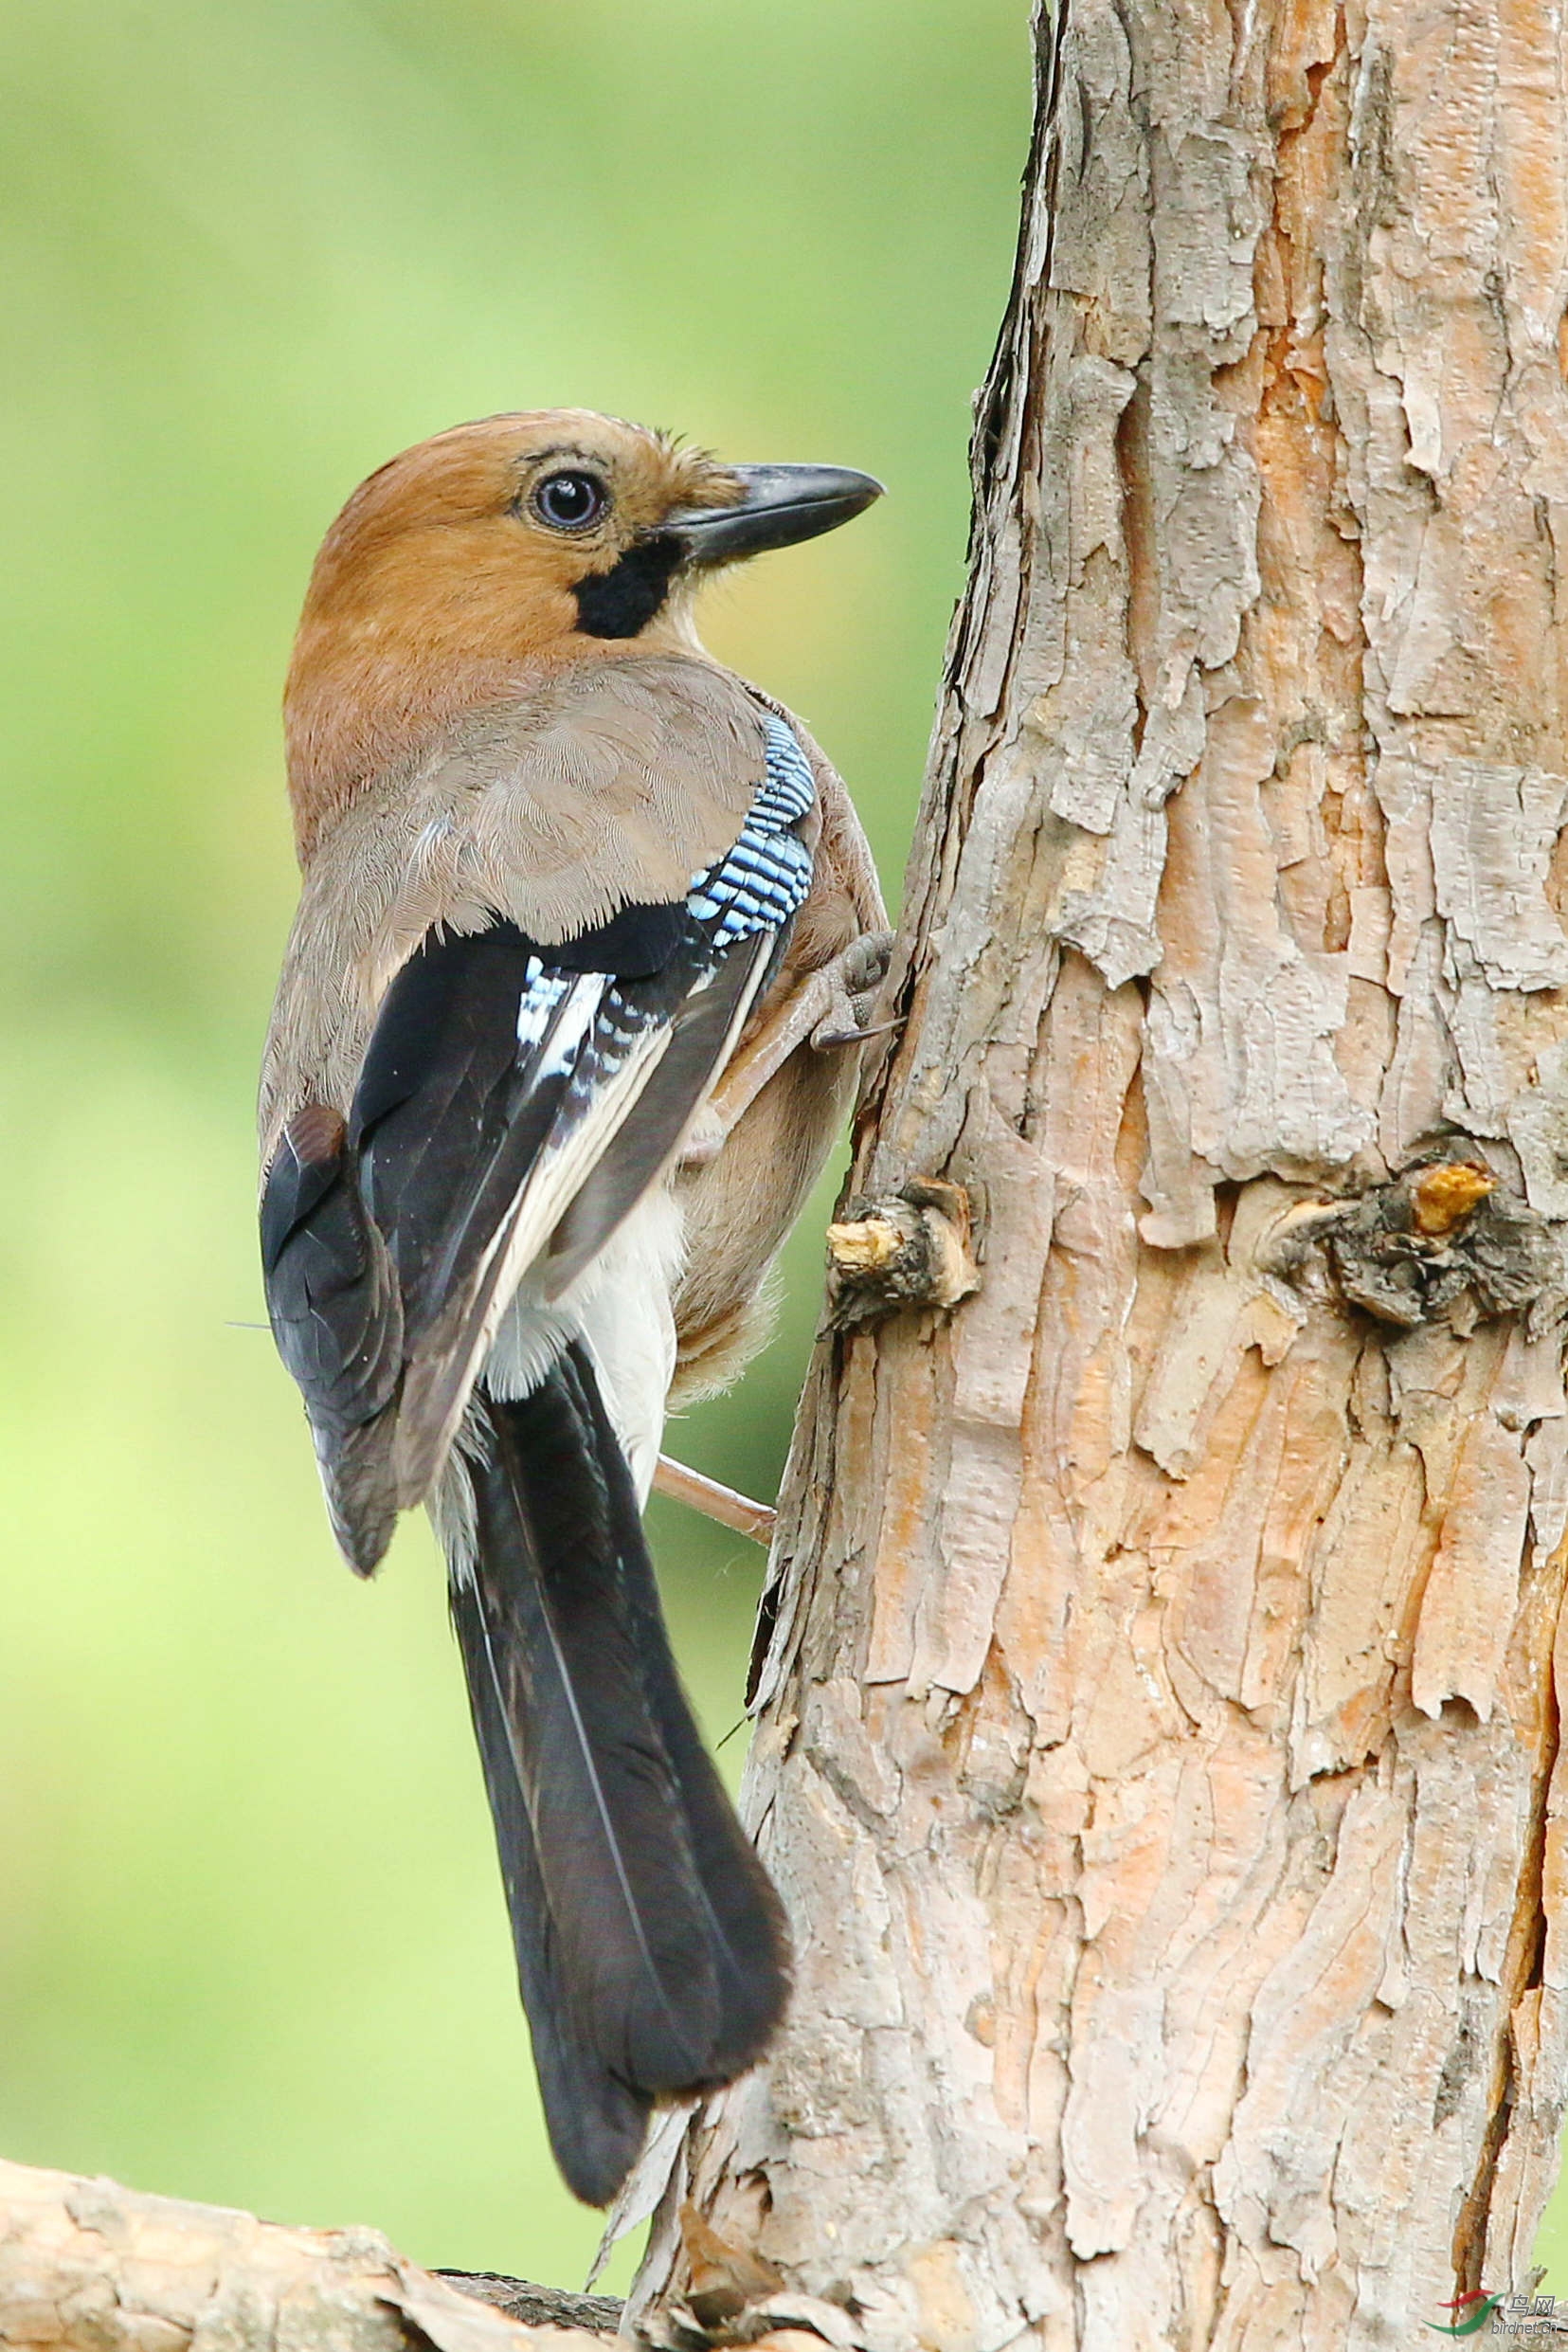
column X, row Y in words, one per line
column 477, row 563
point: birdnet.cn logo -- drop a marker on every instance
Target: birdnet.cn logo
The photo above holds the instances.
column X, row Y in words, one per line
column 1523, row 2317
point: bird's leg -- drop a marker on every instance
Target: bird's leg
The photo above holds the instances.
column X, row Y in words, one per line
column 852, row 983
column 827, row 1010
column 714, row 1501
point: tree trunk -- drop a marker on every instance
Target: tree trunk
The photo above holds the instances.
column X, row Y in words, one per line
column 1159, row 1732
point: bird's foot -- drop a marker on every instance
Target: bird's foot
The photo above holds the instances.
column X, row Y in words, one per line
column 827, row 1010
column 855, row 982
column 721, row 1503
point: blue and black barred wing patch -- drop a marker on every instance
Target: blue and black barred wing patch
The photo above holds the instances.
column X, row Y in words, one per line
column 761, row 883
column 517, row 1100
column 736, row 922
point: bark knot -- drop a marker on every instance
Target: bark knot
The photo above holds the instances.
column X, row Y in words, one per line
column 905, row 1249
column 1445, row 1239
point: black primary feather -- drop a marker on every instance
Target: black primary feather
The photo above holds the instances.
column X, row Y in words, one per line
column 452, row 1110
column 651, row 1949
column 336, row 1314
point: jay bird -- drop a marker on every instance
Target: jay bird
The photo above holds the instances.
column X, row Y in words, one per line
column 568, row 1021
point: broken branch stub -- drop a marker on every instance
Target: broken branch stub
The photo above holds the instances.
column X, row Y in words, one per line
column 905, row 1249
column 1443, row 1240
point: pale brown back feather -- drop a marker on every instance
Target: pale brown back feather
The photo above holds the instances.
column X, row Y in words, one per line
column 615, row 782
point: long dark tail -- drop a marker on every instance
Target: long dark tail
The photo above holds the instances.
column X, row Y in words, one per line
column 651, row 1947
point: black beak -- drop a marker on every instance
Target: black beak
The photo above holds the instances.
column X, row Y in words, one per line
column 781, row 505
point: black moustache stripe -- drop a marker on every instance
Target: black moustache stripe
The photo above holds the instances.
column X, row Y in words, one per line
column 624, row 600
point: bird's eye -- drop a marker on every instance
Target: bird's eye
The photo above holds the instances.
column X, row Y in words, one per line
column 569, row 501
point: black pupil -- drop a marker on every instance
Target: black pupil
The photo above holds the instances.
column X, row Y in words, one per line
column 571, row 500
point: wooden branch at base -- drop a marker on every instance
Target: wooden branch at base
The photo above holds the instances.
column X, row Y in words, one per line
column 87, row 2266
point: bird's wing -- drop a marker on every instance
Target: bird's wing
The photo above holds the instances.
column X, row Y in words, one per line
column 608, row 786
column 516, row 1100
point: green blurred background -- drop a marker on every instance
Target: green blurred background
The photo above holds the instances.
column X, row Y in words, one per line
column 252, row 1944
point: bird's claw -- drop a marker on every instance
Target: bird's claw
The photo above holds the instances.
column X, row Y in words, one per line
column 846, row 989
column 826, row 1039
column 862, row 968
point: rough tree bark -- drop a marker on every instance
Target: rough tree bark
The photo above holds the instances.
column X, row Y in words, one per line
column 1158, row 1745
